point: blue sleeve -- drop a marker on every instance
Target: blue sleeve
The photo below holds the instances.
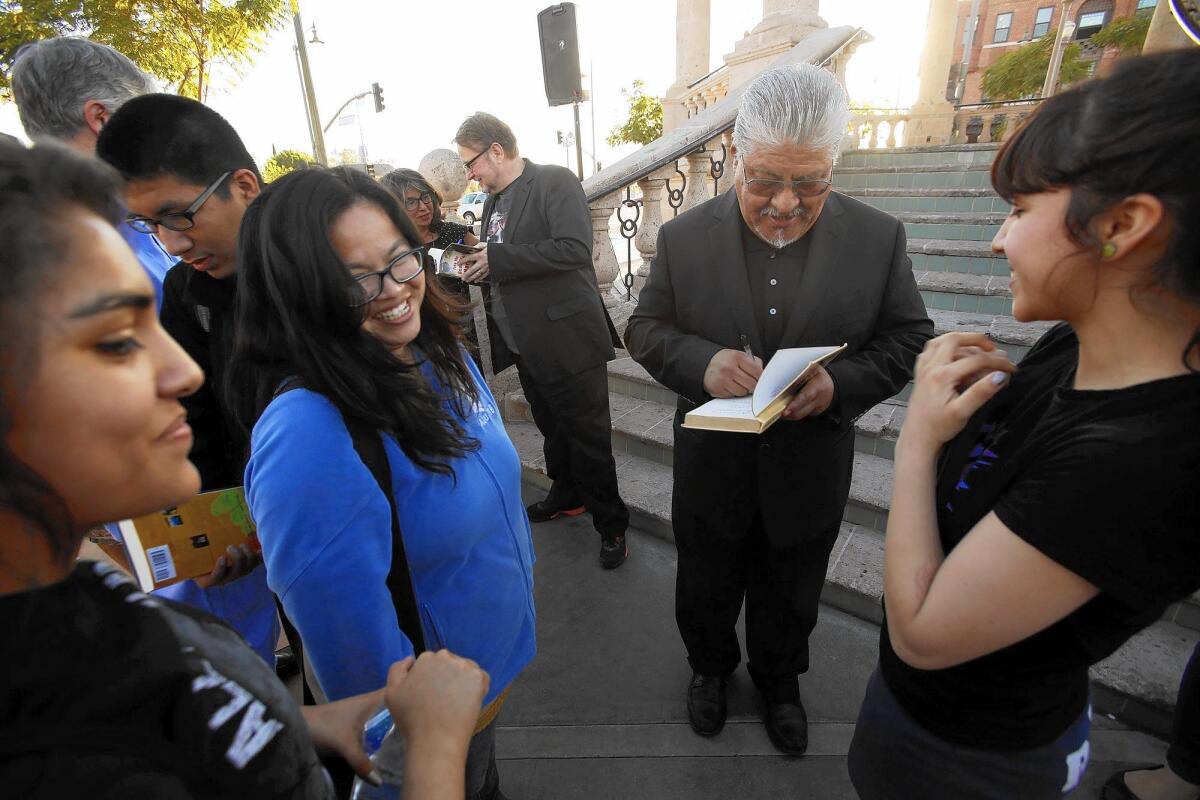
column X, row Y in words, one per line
column 325, row 530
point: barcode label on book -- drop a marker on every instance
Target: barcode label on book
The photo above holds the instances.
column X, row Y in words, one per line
column 161, row 563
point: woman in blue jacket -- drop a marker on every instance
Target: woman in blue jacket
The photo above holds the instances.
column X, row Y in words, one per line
column 339, row 320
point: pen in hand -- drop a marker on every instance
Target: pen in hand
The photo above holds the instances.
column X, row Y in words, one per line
column 746, row 345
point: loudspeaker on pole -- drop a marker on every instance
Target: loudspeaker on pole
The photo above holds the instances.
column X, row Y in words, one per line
column 560, row 54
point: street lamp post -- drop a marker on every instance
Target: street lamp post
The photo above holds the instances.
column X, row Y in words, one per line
column 310, row 95
column 1065, row 29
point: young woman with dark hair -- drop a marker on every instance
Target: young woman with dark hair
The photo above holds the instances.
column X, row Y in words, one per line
column 423, row 205
column 110, row 693
column 1042, row 515
column 340, row 327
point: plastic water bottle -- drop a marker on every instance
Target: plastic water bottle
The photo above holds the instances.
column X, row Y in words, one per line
column 386, row 748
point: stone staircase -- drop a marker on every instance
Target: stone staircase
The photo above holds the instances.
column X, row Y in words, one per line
column 943, row 196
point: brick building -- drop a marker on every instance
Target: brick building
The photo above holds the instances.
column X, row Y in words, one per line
column 1004, row 25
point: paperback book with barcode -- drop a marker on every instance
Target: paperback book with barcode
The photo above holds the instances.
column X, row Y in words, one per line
column 783, row 376
column 186, row 540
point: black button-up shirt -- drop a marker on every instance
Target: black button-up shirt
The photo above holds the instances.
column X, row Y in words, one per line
column 774, row 276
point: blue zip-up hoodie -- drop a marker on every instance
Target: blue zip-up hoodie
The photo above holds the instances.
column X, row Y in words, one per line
column 325, row 530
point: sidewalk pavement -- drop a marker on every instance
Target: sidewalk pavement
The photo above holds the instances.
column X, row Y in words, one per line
column 600, row 714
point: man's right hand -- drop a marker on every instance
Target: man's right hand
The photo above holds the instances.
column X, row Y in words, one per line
column 732, row 373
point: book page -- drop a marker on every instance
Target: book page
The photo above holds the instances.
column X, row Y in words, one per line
column 782, row 369
column 741, row 407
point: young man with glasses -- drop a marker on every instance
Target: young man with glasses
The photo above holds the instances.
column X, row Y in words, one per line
column 545, row 315
column 189, row 180
column 778, row 261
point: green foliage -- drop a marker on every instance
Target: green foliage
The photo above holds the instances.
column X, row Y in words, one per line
column 175, row 40
column 283, row 162
column 1127, row 34
column 645, row 123
column 1021, row 73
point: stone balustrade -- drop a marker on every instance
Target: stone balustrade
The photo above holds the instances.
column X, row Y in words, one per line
column 872, row 129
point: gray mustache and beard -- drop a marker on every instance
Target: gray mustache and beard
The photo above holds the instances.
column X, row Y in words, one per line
column 780, row 241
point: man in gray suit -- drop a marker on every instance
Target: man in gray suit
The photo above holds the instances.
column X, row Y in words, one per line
column 778, row 261
column 545, row 315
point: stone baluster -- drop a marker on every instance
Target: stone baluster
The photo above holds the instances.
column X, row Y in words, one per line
column 873, row 140
column 891, row 137
column 646, row 241
column 710, row 97
column 604, row 258
column 699, row 187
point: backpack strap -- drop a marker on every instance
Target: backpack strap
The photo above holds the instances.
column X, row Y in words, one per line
column 369, row 445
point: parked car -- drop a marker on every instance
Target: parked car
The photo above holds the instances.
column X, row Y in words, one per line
column 470, row 207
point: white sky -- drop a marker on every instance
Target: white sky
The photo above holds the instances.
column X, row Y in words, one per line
column 439, row 63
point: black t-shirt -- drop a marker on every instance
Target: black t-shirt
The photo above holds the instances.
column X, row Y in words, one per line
column 1105, row 483
column 448, row 233
column 110, row 693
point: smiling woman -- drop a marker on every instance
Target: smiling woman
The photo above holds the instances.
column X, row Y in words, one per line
column 346, row 347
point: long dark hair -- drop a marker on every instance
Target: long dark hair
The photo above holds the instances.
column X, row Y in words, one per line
column 294, row 318
column 1135, row 131
column 42, row 192
column 399, row 181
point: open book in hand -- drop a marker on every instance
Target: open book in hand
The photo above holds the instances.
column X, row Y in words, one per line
column 185, row 541
column 784, row 376
column 447, row 261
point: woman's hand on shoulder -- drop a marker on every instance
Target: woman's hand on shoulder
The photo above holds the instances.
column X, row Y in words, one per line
column 955, row 375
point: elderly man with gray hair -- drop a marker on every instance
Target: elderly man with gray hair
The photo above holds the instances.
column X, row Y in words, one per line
column 778, row 261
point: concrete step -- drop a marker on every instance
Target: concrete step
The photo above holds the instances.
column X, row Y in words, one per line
column 961, row 201
column 1136, row 685
column 923, row 155
column 956, row 291
column 970, row 226
column 966, row 256
column 928, row 176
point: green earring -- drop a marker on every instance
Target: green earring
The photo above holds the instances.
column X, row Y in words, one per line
column 1108, row 250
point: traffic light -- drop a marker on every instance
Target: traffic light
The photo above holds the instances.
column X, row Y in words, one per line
column 377, row 91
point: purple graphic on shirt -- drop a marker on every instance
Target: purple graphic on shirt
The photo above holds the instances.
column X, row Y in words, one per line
column 980, row 457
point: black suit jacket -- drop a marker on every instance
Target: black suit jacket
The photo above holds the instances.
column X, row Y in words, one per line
column 857, row 288
column 544, row 271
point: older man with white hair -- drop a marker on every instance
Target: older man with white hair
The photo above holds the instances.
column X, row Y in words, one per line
column 778, row 261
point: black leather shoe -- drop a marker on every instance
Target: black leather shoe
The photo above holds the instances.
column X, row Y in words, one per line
column 706, row 703
column 1115, row 787
column 613, row 552
column 541, row 511
column 787, row 725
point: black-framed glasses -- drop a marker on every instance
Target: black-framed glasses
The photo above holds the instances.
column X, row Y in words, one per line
column 402, row 269
column 467, row 164
column 424, row 198
column 766, row 188
column 176, row 220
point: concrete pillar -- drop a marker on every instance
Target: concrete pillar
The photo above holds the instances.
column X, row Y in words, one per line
column 604, row 258
column 691, row 56
column 784, row 23
column 932, row 113
column 1165, row 31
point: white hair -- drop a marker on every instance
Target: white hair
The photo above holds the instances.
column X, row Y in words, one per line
column 797, row 104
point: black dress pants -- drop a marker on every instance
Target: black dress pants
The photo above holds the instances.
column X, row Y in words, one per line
column 1183, row 756
column 782, row 591
column 573, row 417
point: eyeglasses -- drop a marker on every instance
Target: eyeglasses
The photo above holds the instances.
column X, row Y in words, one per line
column 762, row 187
column 425, row 198
column 467, row 164
column 402, row 269
column 176, row 220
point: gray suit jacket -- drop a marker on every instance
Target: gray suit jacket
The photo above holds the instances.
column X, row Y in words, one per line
column 857, row 288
